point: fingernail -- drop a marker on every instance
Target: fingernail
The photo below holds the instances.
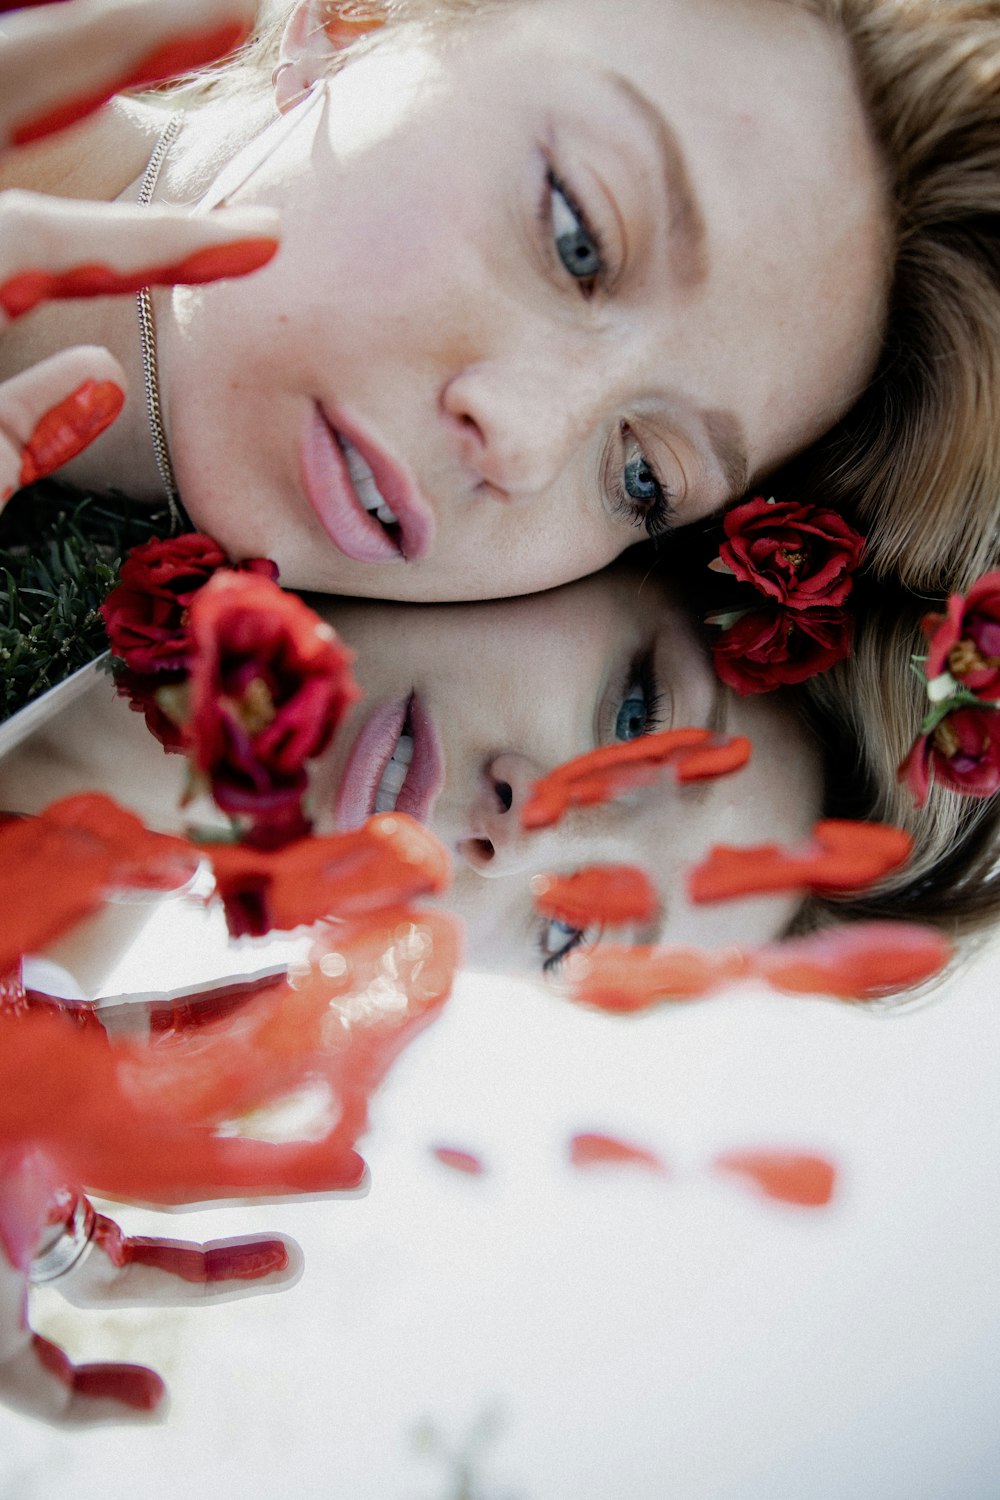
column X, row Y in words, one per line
column 25, row 291
column 246, row 1262
column 132, row 1385
column 69, row 427
column 217, row 261
column 180, row 55
column 21, row 293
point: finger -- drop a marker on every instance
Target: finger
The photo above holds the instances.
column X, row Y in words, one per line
column 41, row 1381
column 53, row 411
column 59, row 64
column 55, row 248
column 125, row 1270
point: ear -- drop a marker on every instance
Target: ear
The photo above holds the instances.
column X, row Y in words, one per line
column 316, row 31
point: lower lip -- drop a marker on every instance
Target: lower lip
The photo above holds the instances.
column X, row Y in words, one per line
column 327, row 483
column 372, row 752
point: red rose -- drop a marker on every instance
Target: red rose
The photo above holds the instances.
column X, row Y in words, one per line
column 962, row 753
column 966, row 640
column 269, row 683
column 766, row 649
column 143, row 698
column 799, row 555
column 146, row 615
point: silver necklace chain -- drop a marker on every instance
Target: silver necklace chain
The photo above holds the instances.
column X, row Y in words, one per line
column 147, row 338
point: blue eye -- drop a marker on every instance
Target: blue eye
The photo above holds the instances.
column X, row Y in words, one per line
column 557, row 941
column 639, row 477
column 642, row 702
column 576, row 244
column 632, row 718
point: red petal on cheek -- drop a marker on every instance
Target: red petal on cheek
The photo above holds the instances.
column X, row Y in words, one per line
column 611, row 770
column 790, row 1176
column 624, row 979
column 703, row 763
column 859, row 962
column 459, row 1161
column 590, row 1149
column 601, row 893
column 844, row 856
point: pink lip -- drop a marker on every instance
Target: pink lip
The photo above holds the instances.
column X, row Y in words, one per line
column 327, row 483
column 372, row 752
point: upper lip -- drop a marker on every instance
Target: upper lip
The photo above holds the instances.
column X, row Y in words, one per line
column 330, row 489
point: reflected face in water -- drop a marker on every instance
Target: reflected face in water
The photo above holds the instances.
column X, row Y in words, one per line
column 552, row 280
column 465, row 707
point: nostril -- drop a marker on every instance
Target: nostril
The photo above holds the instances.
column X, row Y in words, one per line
column 478, row 852
column 505, row 795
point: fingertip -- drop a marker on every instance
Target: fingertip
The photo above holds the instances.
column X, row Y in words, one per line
column 133, row 1386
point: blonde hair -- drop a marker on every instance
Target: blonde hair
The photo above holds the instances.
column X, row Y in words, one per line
column 917, row 460
column 865, row 714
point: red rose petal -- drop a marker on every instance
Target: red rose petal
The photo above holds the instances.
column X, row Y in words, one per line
column 459, row 1161
column 623, row 979
column 612, row 894
column 842, row 856
column 862, row 961
column 607, row 772
column 590, row 1149
column 789, row 1176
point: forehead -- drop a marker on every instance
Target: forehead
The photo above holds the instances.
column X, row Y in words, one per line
column 762, row 121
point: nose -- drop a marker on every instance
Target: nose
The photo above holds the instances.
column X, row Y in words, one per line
column 496, row 844
column 517, row 423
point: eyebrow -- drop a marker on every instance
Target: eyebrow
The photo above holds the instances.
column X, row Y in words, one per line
column 725, row 434
column 689, row 256
column 688, row 247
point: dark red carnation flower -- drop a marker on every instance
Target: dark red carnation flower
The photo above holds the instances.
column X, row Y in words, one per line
column 962, row 753
column 966, row 640
column 799, row 555
column 146, row 615
column 770, row 648
column 269, row 682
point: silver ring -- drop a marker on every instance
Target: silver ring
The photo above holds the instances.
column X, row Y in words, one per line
column 68, row 1251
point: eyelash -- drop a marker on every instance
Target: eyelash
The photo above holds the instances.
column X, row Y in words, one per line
column 659, row 517
column 553, row 962
column 643, row 672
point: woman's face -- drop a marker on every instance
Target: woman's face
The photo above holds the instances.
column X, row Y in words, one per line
column 465, row 707
column 552, row 280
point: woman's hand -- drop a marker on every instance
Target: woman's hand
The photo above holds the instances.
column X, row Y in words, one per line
column 58, row 62
column 38, row 1378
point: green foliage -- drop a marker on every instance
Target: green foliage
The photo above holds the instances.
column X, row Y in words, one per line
column 60, row 552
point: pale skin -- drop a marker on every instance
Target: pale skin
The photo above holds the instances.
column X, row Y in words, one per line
column 707, row 164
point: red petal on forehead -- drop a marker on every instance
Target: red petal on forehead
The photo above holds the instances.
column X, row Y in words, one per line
column 842, row 856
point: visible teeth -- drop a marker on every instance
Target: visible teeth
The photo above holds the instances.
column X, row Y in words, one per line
column 367, row 490
column 394, row 775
